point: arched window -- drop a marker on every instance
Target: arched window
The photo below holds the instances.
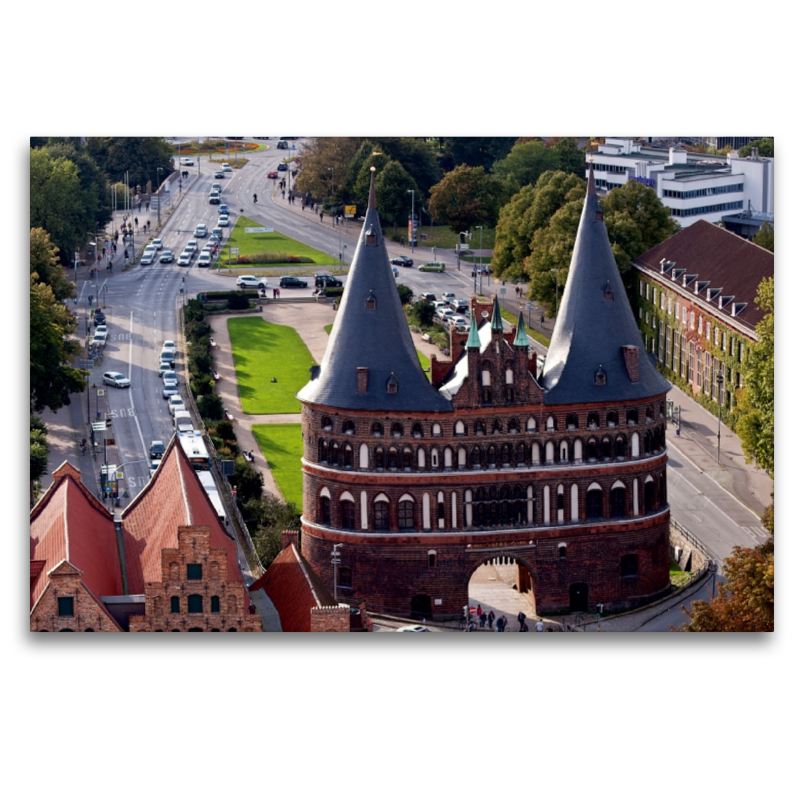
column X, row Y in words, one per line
column 513, row 426
column 434, row 458
column 381, row 507
column 572, row 422
column 594, row 502
column 405, row 514
column 530, row 425
column 563, row 451
column 448, row 458
column 476, row 457
column 348, row 511
column 327, row 425
column 612, row 419
column 632, row 416
column 349, row 427
column 606, row 448
column 505, row 455
column 333, row 454
column 363, row 457
column 420, row 458
column 497, row 427
column 440, row 509
column 591, row 450
column 407, row 458
column 649, row 494
column 397, row 430
column 551, row 423
column 619, row 500
column 635, row 445
column 431, row 558
column 426, row 511
column 462, row 458
column 648, row 414
column 521, row 453
column 195, row 603
column 348, row 457
column 536, row 453
column 436, row 430
column 573, row 503
column 459, row 429
column 480, row 428
column 323, row 452
column 380, row 458
column 393, row 460
column 577, row 454
column 620, row 447
column 562, row 550
column 416, row 430
column 593, row 421
column 549, row 452
column 377, row 429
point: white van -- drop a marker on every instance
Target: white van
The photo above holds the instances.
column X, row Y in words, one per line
column 183, row 422
column 187, row 162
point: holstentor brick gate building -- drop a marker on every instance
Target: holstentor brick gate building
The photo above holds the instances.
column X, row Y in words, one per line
column 563, row 473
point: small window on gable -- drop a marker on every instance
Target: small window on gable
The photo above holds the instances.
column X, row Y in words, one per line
column 66, row 607
column 371, row 237
column 608, row 295
column 392, row 385
column 194, row 572
column 436, row 430
column 600, row 377
column 372, row 302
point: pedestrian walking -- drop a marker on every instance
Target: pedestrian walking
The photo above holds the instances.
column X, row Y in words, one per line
column 136, row 219
column 321, row 215
column 478, row 610
column 483, row 620
column 541, row 321
column 490, row 619
column 539, row 626
column 523, row 628
column 521, row 619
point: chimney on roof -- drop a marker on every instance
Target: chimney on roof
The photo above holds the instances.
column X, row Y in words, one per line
column 289, row 537
column 362, row 378
column 630, row 352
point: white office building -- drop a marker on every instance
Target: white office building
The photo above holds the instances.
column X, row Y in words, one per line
column 692, row 185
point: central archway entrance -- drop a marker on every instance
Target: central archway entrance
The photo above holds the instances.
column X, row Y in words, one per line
column 504, row 586
column 421, row 606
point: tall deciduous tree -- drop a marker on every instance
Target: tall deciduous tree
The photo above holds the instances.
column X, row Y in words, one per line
column 474, row 151
column 46, row 266
column 39, row 453
column 392, row 187
column 525, row 163
column 140, row 156
column 465, row 197
column 765, row 237
column 756, row 422
column 326, row 165
column 766, row 148
column 746, row 601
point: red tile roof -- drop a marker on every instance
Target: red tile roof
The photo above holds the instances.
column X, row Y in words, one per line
column 724, row 259
column 70, row 524
column 294, row 590
column 150, row 523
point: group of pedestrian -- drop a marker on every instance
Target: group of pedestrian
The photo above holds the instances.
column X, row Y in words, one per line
column 276, row 294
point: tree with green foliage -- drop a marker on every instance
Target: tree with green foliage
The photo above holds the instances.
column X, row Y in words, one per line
column 755, row 425
column 361, row 186
column 465, row 197
column 56, row 202
column 526, row 162
column 405, row 292
column 422, row 312
column 46, row 266
column 52, row 377
column 248, row 482
column 392, row 187
column 766, row 148
column 474, row 151
column 746, row 600
column 530, row 209
column 417, row 156
column 139, row 156
column 571, row 159
column 327, row 163
column 39, row 452
column 268, row 517
column 765, row 237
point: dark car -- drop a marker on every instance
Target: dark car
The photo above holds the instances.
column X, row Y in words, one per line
column 429, row 296
column 282, row 168
column 219, row 175
column 282, row 145
column 157, row 449
column 99, row 318
column 326, row 281
column 166, row 257
column 402, row 261
column 291, row 281
column 481, row 271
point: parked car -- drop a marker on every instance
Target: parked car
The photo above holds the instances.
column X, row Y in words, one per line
column 402, row 261
column 251, row 282
column 324, row 281
column 289, row 281
column 100, row 338
column 413, row 629
column 99, row 318
column 116, row 379
column 175, row 403
column 157, row 449
column 163, row 367
column 167, row 257
column 201, row 231
column 457, row 321
column 272, row 175
column 185, row 259
column 102, row 329
column 431, row 266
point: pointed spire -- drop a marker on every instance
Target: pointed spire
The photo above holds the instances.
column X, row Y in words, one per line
column 521, row 339
column 591, row 189
column 372, row 202
column 473, row 340
column 497, row 320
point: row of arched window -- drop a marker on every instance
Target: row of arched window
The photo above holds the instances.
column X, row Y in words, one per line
column 493, row 456
column 195, row 604
column 507, row 506
column 496, row 426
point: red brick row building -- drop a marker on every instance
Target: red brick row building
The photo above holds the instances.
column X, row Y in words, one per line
column 563, row 472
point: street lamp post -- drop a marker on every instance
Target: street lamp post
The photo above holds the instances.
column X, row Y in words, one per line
column 158, row 194
column 412, row 237
column 720, row 380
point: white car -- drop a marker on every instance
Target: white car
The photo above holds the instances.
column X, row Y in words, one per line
column 204, row 259
column 116, row 379
column 185, row 259
column 222, row 222
column 100, row 338
column 226, row 167
column 101, row 329
column 169, row 375
column 169, row 345
column 150, row 249
column 458, row 322
column 251, row 282
column 413, row 629
column 215, row 187
column 157, row 244
column 201, row 231
column 163, row 367
column 448, row 296
column 148, row 259
column 170, row 389
column 175, row 403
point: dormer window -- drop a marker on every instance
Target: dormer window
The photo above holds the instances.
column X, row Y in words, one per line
column 391, row 385
column 371, row 301
column 600, row 376
column 371, row 237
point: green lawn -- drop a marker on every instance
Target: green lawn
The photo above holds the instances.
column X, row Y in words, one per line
column 282, row 446
column 510, row 316
column 256, row 243
column 261, row 351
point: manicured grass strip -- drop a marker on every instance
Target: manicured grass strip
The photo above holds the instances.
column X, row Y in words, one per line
column 253, row 243
column 261, row 351
column 424, row 360
column 509, row 316
column 282, row 446
column 328, row 329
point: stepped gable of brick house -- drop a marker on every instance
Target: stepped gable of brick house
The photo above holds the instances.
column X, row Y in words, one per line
column 586, row 361
column 294, row 588
column 720, row 259
column 69, row 526
column 371, row 363
column 173, row 498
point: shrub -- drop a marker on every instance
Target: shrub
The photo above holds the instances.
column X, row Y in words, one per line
column 197, row 328
column 224, row 429
column 210, row 407
column 405, row 292
column 248, row 481
column 273, row 258
column 201, row 384
column 333, row 291
column 237, row 301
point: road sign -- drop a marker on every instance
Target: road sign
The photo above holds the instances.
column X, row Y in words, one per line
column 529, row 305
column 259, row 230
column 98, row 426
column 101, row 392
column 234, row 251
column 502, row 291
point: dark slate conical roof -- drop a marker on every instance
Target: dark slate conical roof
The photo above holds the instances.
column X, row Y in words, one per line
column 371, row 331
column 594, row 323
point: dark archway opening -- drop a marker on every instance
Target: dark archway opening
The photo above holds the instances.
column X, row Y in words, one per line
column 578, row 597
column 421, row 606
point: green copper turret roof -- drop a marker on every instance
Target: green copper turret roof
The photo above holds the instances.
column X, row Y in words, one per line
column 521, row 339
column 497, row 320
column 473, row 340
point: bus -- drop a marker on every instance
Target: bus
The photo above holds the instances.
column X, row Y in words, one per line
column 195, row 449
column 210, row 486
